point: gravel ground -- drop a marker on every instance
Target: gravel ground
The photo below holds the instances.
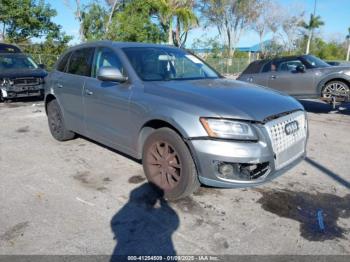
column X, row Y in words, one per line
column 78, row 197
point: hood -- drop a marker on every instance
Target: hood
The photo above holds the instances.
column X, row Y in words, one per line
column 334, row 69
column 18, row 73
column 227, row 98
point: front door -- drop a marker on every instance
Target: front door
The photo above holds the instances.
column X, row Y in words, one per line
column 285, row 78
column 107, row 104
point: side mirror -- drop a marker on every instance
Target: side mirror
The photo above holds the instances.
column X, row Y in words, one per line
column 42, row 66
column 112, row 74
column 300, row 69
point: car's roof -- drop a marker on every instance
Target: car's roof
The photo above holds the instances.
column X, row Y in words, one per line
column 119, row 44
column 7, row 48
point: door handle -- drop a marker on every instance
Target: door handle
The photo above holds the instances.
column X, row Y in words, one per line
column 88, row 92
column 59, row 85
column 273, row 77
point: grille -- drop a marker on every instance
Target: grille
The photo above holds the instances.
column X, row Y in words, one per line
column 287, row 147
column 26, row 81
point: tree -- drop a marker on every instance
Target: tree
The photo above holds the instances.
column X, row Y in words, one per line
column 314, row 23
column 180, row 11
column 22, row 20
column 290, row 32
column 230, row 17
column 134, row 23
column 78, row 13
column 348, row 42
column 269, row 19
column 94, row 21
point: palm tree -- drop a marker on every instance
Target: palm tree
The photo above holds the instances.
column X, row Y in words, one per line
column 181, row 12
column 348, row 39
column 314, row 23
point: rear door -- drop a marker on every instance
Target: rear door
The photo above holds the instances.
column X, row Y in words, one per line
column 285, row 78
column 69, row 86
column 106, row 104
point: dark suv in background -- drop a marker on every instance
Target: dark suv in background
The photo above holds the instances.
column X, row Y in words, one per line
column 20, row 76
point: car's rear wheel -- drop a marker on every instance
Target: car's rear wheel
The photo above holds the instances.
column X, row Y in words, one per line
column 168, row 164
column 335, row 89
column 56, row 122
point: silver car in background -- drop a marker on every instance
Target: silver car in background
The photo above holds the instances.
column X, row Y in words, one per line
column 303, row 76
column 166, row 107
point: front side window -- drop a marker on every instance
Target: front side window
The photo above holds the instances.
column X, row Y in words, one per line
column 289, row 66
column 16, row 61
column 163, row 64
column 106, row 57
column 80, row 62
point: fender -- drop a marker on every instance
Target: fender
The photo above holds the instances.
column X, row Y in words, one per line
column 332, row 76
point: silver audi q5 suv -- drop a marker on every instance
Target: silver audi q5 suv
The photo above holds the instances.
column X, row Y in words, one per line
column 166, row 107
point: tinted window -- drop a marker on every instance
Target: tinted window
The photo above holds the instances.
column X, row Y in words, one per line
column 63, row 62
column 254, row 67
column 289, row 66
column 106, row 57
column 81, row 61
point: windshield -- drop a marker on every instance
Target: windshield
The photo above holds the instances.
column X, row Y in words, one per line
column 315, row 62
column 163, row 64
column 16, row 61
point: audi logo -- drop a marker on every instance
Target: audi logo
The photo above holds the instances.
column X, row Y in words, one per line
column 291, row 127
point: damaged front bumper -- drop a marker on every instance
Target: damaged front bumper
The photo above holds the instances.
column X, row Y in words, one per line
column 11, row 92
column 228, row 163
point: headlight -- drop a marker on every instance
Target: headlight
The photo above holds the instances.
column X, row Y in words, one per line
column 228, row 129
column 347, row 73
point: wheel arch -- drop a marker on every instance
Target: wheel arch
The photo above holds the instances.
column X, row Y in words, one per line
column 151, row 125
column 324, row 82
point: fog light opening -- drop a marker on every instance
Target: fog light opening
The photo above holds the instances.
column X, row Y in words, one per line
column 242, row 171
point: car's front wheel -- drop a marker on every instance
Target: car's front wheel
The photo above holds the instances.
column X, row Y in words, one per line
column 56, row 122
column 335, row 89
column 167, row 163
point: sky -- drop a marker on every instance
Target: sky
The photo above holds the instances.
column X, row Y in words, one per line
column 335, row 14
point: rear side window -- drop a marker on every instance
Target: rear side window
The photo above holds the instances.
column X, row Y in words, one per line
column 253, row 68
column 62, row 65
column 80, row 62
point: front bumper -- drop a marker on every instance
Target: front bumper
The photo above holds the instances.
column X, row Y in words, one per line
column 210, row 154
column 24, row 91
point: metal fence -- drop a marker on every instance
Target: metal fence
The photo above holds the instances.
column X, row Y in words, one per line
column 46, row 59
column 227, row 66
column 224, row 66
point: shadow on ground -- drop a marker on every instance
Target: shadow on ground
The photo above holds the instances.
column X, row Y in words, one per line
column 320, row 107
column 145, row 224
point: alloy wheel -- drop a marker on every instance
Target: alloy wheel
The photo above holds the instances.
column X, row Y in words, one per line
column 164, row 165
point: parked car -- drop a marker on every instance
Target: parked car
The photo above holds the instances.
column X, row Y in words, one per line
column 169, row 109
column 300, row 76
column 20, row 76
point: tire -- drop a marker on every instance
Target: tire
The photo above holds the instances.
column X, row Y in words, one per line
column 167, row 163
column 56, row 122
column 335, row 87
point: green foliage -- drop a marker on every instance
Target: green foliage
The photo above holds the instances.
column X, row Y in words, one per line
column 21, row 20
column 94, row 18
column 314, row 23
column 48, row 51
column 135, row 24
column 328, row 51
